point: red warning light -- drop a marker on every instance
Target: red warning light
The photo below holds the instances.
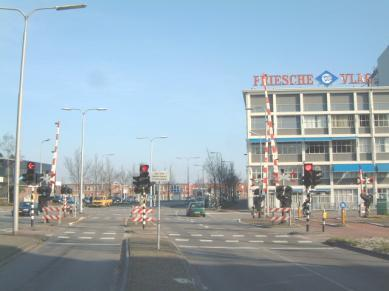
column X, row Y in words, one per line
column 144, row 168
column 30, row 165
column 308, row 167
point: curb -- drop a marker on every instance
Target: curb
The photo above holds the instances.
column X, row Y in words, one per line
column 358, row 250
column 377, row 224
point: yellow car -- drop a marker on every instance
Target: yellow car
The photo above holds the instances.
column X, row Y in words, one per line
column 101, row 201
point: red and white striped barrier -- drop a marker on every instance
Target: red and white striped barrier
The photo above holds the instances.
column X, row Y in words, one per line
column 52, row 213
column 285, row 214
column 140, row 219
column 140, row 211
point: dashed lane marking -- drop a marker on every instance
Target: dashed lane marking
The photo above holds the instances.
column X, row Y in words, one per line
column 217, row 235
column 89, row 232
column 231, row 241
column 181, row 239
column 282, row 235
column 256, row 241
column 107, row 238
column 174, row 234
column 280, row 241
column 217, row 247
column 196, row 234
column 206, row 240
column 261, row 235
column 85, row 237
column 304, row 241
column 238, row 235
column 109, row 233
column 62, row 236
column 69, row 232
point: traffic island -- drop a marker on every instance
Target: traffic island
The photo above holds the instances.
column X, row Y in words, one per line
column 377, row 247
column 152, row 269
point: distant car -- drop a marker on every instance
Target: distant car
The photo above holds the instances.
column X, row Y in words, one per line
column 196, row 209
column 116, row 200
column 87, row 201
column 57, row 199
column 25, row 208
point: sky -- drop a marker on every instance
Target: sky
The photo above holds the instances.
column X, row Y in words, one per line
column 168, row 68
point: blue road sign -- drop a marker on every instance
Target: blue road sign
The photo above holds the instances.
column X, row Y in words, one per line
column 343, row 205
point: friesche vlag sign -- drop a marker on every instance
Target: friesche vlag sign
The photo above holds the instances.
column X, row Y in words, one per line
column 326, row 78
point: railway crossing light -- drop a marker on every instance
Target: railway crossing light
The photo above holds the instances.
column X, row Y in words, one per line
column 308, row 174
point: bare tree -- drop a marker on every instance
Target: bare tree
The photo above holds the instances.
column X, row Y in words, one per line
column 97, row 174
column 7, row 147
column 109, row 175
column 73, row 166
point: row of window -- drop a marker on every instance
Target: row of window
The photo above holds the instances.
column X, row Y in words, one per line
column 338, row 146
column 321, row 121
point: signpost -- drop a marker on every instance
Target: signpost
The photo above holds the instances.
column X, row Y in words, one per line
column 159, row 177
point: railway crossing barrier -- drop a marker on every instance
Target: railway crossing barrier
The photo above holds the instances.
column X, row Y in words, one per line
column 285, row 215
column 52, row 213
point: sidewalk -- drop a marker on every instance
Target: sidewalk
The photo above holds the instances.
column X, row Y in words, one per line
column 150, row 269
column 27, row 238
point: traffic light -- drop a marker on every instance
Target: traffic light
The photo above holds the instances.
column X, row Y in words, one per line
column 316, row 178
column 308, row 174
column 142, row 182
column 29, row 177
column 144, row 170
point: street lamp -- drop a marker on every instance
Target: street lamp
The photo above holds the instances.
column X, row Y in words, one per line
column 151, row 140
column 20, row 100
column 187, row 167
column 40, row 154
column 83, row 114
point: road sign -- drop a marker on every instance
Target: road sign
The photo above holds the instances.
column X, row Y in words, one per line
column 159, row 176
column 343, row 205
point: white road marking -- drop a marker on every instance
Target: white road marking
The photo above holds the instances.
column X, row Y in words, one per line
column 282, row 235
column 302, row 248
column 112, row 233
column 206, row 226
column 196, row 234
column 62, row 236
column 206, row 240
column 84, row 244
column 238, row 235
column 217, row 247
column 85, row 237
column 217, row 235
column 260, row 235
column 181, row 239
column 280, row 241
column 49, row 234
column 231, row 241
column 89, row 232
column 174, row 234
column 69, row 232
column 116, row 214
column 256, row 241
column 107, row 238
column 304, row 241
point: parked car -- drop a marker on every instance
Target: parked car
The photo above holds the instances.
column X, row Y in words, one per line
column 196, row 209
column 25, row 208
column 116, row 200
column 57, row 199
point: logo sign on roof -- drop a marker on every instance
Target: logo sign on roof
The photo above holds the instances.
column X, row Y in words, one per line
column 326, row 78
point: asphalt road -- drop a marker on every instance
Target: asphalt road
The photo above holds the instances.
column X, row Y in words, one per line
column 84, row 256
column 227, row 255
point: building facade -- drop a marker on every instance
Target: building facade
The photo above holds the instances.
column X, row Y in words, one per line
column 339, row 130
column 380, row 75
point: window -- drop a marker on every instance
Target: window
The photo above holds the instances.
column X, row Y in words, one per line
column 382, row 144
column 365, row 145
column 364, row 120
column 258, row 122
column 289, row 148
column 288, row 122
column 316, row 147
column 315, row 121
column 381, row 120
column 342, row 146
column 343, row 121
column 257, row 149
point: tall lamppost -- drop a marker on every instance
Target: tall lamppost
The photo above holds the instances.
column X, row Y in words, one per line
column 151, row 140
column 187, row 169
column 40, row 154
column 83, row 115
column 26, row 17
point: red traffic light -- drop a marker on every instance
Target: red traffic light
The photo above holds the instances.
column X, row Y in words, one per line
column 144, row 168
column 308, row 167
column 30, row 165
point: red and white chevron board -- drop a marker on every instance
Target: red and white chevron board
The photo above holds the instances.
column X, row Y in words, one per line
column 140, row 219
column 279, row 218
column 279, row 209
column 140, row 211
column 135, row 209
column 51, row 209
column 51, row 217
